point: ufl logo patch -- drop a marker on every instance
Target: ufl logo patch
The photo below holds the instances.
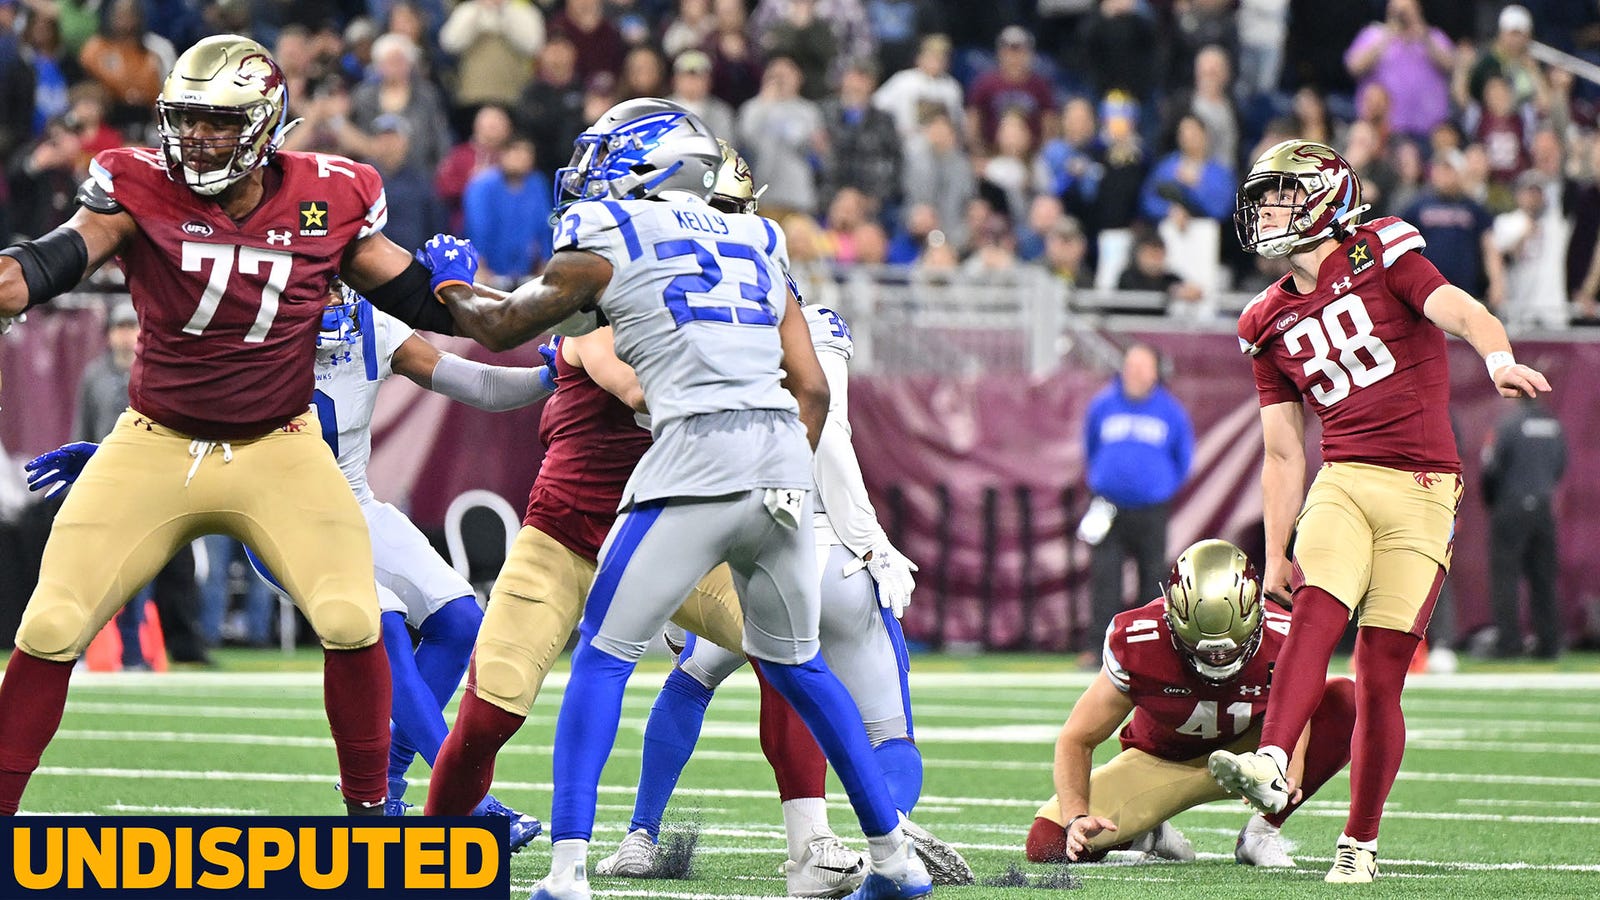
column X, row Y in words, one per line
column 314, row 218
column 1360, row 257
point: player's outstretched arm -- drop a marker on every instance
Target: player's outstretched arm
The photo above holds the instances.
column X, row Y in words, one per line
column 1094, row 718
column 596, row 354
column 803, row 375
column 1454, row 310
column 36, row 271
column 1283, row 485
column 491, row 388
column 572, row 282
column 395, row 282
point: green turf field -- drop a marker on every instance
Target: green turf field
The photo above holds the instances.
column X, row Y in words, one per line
column 1499, row 795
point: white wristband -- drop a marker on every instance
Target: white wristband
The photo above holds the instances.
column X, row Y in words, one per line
column 1497, row 360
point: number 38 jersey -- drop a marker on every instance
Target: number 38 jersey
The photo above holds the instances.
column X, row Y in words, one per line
column 1178, row 715
column 1360, row 350
column 229, row 311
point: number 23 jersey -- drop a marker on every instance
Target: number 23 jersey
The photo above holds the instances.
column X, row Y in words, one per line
column 1360, row 350
column 1178, row 715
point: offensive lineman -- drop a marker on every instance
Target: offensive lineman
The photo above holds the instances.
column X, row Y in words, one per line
column 229, row 247
column 704, row 319
column 1194, row 668
column 1357, row 328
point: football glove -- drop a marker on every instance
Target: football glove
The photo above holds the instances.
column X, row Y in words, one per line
column 892, row 571
column 547, row 372
column 52, row 472
column 452, row 260
column 7, row 321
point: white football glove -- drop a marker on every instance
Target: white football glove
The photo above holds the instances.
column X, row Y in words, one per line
column 892, row 571
column 7, row 321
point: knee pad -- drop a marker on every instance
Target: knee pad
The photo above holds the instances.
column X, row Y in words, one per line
column 55, row 633
column 346, row 625
column 506, row 677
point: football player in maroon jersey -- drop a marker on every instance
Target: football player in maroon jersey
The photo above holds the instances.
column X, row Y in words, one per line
column 1194, row 669
column 229, row 247
column 1358, row 329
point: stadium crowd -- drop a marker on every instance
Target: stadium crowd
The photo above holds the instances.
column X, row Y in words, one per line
column 1102, row 139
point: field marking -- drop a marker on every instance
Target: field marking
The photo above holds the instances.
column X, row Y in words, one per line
column 1488, row 801
column 1342, row 811
column 183, row 810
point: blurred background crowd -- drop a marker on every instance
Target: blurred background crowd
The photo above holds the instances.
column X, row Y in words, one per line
column 1101, row 139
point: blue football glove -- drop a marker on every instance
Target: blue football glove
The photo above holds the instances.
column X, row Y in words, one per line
column 52, row 472
column 547, row 372
column 452, row 260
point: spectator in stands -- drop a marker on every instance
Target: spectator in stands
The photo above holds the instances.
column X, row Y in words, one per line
column 735, row 67
column 691, row 86
column 780, row 132
column 44, row 179
column 292, row 51
column 994, row 250
column 1412, row 60
column 551, row 108
column 1522, row 464
column 1149, row 272
column 1117, row 201
column 691, row 29
column 495, row 43
column 506, row 210
column 1372, row 107
column 920, row 225
column 1066, row 253
column 1533, row 239
column 1009, row 171
column 1199, row 24
column 1119, row 47
column 414, row 214
column 1069, row 166
column 1377, row 176
column 852, row 32
column 1044, row 211
column 1263, row 28
column 599, row 44
column 400, row 90
column 863, row 146
column 1581, row 202
column 1211, row 101
column 1138, row 445
column 128, row 62
column 87, row 110
column 1508, row 58
column 252, row 626
column 355, row 56
column 1013, row 85
column 1458, row 231
column 939, row 174
column 53, row 71
column 1192, row 176
column 911, row 94
column 325, row 123
column 897, row 26
column 1503, row 130
column 491, row 130
column 599, row 95
column 1410, row 175
column 806, row 38
column 848, row 211
column 1309, row 113
column 16, row 97
column 419, row 26
column 644, row 74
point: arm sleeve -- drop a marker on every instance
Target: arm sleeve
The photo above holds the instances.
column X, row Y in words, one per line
column 1411, row 278
column 1272, row 385
column 838, row 472
column 493, row 388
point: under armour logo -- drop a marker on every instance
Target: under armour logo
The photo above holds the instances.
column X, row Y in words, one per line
column 1250, row 690
column 452, row 254
column 278, row 236
column 1341, row 285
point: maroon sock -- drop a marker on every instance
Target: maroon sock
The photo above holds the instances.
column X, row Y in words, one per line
column 1329, row 748
column 465, row 767
column 797, row 762
column 1302, row 668
column 32, row 697
column 355, row 691
column 1047, row 842
column 1382, row 658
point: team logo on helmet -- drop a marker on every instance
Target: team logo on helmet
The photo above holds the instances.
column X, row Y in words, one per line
column 259, row 72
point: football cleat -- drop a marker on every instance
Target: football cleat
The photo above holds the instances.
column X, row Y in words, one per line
column 524, row 828
column 827, row 868
column 635, row 857
column 944, row 863
column 1352, row 864
column 1166, row 842
column 394, row 806
column 901, row 877
column 1261, row 845
column 1254, row 776
column 571, row 884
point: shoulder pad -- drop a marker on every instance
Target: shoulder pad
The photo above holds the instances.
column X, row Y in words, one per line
column 829, row 331
column 1391, row 236
column 604, row 227
column 98, row 193
column 1253, row 322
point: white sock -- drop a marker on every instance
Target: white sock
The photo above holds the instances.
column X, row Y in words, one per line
column 570, row 856
column 885, row 850
column 1259, row 823
column 1369, row 846
column 1278, row 756
column 803, row 819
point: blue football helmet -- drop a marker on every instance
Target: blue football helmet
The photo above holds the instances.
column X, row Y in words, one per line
column 346, row 323
column 638, row 149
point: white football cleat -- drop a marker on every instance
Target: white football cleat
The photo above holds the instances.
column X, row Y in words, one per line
column 1253, row 776
column 570, row 884
column 635, row 857
column 1352, row 864
column 827, row 868
column 1262, row 845
column 944, row 863
column 1166, row 842
column 900, row 877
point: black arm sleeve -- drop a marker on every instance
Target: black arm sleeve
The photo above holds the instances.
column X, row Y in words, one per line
column 409, row 298
column 51, row 265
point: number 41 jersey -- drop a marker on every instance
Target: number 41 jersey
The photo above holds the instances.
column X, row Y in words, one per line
column 1361, row 351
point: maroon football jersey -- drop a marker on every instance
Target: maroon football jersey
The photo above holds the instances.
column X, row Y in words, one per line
column 229, row 311
column 1177, row 714
column 592, row 445
column 1361, row 351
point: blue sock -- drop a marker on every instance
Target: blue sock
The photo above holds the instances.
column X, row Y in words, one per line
column 901, row 763
column 669, row 739
column 586, row 730
column 828, row 710
column 427, row 678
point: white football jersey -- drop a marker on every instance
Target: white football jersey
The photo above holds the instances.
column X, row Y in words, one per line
column 347, row 380
column 844, row 513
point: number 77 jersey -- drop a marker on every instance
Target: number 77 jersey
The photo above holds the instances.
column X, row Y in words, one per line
column 1360, row 350
column 229, row 310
